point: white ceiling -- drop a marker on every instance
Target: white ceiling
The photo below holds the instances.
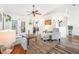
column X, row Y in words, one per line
column 21, row 9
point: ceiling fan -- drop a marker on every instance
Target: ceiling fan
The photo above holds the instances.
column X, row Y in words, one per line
column 34, row 12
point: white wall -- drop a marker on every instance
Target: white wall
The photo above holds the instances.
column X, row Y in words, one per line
column 20, row 19
column 43, row 27
column 1, row 12
column 26, row 19
column 73, row 18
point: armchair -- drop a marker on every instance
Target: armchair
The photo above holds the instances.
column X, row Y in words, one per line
column 51, row 35
column 56, row 34
column 45, row 35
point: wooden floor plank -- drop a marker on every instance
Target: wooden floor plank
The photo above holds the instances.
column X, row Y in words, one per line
column 50, row 47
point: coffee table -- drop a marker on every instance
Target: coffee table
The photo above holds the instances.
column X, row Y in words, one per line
column 31, row 37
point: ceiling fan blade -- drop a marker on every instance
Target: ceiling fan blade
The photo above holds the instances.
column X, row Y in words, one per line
column 39, row 13
column 36, row 10
column 34, row 14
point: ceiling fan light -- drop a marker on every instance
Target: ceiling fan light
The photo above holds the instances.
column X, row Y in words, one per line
column 35, row 12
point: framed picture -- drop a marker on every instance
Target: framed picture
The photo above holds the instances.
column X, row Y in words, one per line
column 22, row 26
column 48, row 22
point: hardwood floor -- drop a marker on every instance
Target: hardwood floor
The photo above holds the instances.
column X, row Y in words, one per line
column 53, row 47
column 39, row 47
column 66, row 46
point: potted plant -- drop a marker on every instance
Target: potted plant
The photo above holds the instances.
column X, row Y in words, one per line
column 70, row 28
column 8, row 18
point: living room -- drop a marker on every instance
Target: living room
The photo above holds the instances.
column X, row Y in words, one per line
column 39, row 28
